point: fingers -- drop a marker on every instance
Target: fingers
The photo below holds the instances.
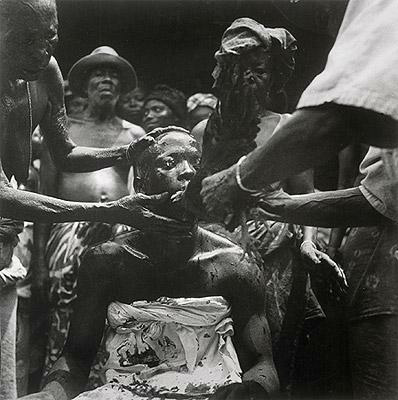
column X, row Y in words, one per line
column 139, row 146
column 336, row 274
column 311, row 254
column 177, row 196
column 153, row 200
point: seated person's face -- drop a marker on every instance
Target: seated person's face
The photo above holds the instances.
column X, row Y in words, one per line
column 157, row 115
column 103, row 85
column 168, row 166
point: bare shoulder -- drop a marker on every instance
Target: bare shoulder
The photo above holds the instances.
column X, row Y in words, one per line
column 198, row 130
column 134, row 131
column 236, row 269
column 52, row 80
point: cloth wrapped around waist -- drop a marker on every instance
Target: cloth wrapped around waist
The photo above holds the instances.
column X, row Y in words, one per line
column 170, row 347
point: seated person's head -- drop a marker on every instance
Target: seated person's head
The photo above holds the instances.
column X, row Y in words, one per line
column 200, row 106
column 164, row 106
column 167, row 165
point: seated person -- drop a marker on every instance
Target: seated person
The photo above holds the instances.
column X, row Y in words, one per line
column 185, row 313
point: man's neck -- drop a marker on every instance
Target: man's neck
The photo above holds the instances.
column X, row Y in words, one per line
column 103, row 112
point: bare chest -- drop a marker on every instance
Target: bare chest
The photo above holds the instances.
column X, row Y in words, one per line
column 97, row 134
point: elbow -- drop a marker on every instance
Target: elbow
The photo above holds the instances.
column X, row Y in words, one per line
column 64, row 163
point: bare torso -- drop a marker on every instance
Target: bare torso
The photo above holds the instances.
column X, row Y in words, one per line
column 106, row 184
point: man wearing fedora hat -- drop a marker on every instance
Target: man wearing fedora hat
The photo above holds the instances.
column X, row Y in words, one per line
column 101, row 77
column 31, row 94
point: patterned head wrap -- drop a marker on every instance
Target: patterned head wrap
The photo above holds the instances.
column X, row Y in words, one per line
column 246, row 34
column 201, row 100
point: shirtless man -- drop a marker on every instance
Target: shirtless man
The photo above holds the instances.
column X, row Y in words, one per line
column 140, row 266
column 102, row 77
column 31, row 93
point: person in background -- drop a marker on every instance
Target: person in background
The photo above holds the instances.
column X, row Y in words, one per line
column 130, row 106
column 100, row 77
column 353, row 99
column 164, row 106
column 261, row 60
column 200, row 106
column 74, row 104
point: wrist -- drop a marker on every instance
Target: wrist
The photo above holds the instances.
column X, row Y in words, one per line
column 100, row 212
column 307, row 243
column 239, row 178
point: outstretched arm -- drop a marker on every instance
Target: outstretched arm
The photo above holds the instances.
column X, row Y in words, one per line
column 327, row 209
column 309, row 137
column 313, row 135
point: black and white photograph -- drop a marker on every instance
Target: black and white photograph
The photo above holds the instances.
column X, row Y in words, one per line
column 199, row 199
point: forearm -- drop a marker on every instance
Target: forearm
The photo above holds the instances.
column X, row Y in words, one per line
column 308, row 138
column 87, row 159
column 309, row 233
column 331, row 209
column 28, row 206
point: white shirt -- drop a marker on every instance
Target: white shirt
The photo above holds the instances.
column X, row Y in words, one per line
column 362, row 66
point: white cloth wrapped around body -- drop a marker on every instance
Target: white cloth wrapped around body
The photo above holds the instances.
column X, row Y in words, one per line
column 173, row 348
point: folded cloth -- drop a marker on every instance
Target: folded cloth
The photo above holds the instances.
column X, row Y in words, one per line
column 169, row 347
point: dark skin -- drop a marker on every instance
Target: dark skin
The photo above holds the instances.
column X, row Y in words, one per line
column 148, row 266
column 310, row 137
column 157, row 115
column 28, row 36
column 103, row 87
column 346, row 207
